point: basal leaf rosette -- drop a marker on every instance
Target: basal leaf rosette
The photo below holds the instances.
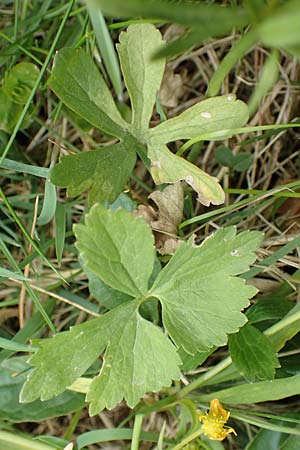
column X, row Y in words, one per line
column 201, row 297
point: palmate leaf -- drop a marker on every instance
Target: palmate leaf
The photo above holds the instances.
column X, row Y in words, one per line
column 166, row 167
column 118, row 248
column 200, row 294
column 201, row 300
column 104, row 171
column 78, row 83
column 142, row 75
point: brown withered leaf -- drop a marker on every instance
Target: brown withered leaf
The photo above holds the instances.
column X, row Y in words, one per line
column 165, row 219
column 171, row 90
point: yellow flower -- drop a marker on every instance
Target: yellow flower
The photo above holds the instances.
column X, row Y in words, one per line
column 214, row 422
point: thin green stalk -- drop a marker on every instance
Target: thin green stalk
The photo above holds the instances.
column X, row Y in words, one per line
column 16, row 18
column 73, row 424
column 24, row 50
column 39, row 79
column 106, row 46
column 285, row 322
column 205, row 377
column 13, row 441
column 232, row 57
column 280, row 253
column 186, row 440
column 224, row 134
column 27, row 235
column 33, row 295
column 137, row 427
column 239, row 204
column 266, row 425
column 260, row 191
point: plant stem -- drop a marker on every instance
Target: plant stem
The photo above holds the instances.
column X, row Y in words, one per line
column 186, row 440
column 136, row 431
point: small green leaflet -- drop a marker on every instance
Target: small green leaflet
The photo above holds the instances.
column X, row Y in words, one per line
column 200, row 295
column 169, row 168
column 17, row 84
column 210, row 115
column 201, row 300
column 133, row 362
column 142, row 74
column 118, row 248
column 104, row 170
column 78, row 83
column 253, row 354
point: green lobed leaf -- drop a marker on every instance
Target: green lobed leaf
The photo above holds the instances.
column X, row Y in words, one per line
column 133, row 362
column 64, row 358
column 118, row 248
column 77, row 82
column 106, row 296
column 200, row 294
column 210, row 115
column 253, row 354
column 261, row 391
column 19, row 81
column 10, row 386
column 9, row 112
column 104, row 171
column 142, row 74
column 166, row 167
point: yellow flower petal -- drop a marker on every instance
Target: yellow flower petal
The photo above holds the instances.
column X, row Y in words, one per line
column 214, row 422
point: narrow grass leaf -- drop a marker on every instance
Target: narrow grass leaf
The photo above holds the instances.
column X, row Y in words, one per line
column 281, row 29
column 268, row 78
column 114, row 434
column 60, row 230
column 214, row 17
column 17, row 166
column 15, row 346
column 6, row 273
column 105, row 45
column 13, row 441
column 228, row 62
column 49, row 204
column 262, row 391
column 38, row 81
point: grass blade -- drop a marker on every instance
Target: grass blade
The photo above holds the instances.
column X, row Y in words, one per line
column 105, row 45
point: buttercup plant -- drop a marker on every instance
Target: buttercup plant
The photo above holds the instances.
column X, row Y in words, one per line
column 78, row 83
column 201, row 298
